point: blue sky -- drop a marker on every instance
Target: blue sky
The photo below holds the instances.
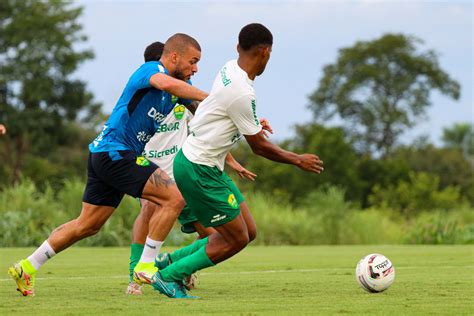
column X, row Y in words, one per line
column 307, row 36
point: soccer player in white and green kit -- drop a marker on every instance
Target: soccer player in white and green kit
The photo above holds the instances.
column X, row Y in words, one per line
column 221, row 119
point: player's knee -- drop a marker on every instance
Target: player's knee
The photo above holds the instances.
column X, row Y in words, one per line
column 176, row 203
column 252, row 233
column 240, row 242
column 86, row 229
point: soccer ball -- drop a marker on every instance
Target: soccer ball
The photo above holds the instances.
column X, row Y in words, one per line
column 375, row 273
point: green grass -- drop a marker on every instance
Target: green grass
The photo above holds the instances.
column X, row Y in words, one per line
column 260, row 280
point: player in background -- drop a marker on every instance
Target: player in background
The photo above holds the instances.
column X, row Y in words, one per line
column 161, row 150
column 116, row 167
column 227, row 113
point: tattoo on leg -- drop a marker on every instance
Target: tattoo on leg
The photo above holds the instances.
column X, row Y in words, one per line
column 161, row 178
column 59, row 228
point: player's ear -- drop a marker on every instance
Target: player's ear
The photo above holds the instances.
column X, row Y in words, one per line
column 174, row 57
column 266, row 51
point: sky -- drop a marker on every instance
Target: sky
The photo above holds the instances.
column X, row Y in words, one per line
column 306, row 34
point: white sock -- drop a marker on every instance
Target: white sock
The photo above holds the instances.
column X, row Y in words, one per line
column 151, row 250
column 41, row 255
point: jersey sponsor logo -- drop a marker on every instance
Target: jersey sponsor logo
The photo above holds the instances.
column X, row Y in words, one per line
column 232, row 201
column 171, row 127
column 158, row 154
column 217, row 218
column 143, row 137
column 225, row 81
column 100, row 137
column 235, row 138
column 155, row 115
column 142, row 161
column 254, row 111
column 179, row 111
column 174, row 99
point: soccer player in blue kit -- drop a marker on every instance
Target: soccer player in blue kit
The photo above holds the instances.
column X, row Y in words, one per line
column 116, row 167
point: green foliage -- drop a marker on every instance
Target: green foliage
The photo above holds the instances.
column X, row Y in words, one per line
column 448, row 164
column 28, row 216
column 442, row 228
column 381, row 172
column 38, row 95
column 460, row 136
column 371, row 227
column 329, row 207
column 419, row 193
column 380, row 88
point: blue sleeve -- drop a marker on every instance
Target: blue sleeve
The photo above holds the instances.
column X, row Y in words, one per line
column 141, row 77
column 185, row 101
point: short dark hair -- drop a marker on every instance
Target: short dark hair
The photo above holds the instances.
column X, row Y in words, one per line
column 254, row 34
column 153, row 51
column 179, row 42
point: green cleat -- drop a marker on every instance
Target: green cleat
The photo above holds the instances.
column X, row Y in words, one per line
column 171, row 289
column 162, row 260
column 143, row 272
column 25, row 281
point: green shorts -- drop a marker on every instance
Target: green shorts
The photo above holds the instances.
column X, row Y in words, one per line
column 210, row 193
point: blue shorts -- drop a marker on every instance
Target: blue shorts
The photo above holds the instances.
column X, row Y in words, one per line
column 110, row 175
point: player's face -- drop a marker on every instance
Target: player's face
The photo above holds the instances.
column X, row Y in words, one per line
column 186, row 65
column 265, row 57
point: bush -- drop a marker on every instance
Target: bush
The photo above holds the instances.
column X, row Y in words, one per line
column 441, row 227
column 420, row 193
column 27, row 217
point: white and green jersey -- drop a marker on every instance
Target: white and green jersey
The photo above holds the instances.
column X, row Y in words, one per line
column 168, row 139
column 223, row 117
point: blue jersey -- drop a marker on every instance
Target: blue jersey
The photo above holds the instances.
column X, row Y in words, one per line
column 137, row 114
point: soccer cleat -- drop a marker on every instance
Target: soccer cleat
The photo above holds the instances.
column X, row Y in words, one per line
column 25, row 281
column 134, row 288
column 171, row 289
column 190, row 282
column 162, row 260
column 143, row 272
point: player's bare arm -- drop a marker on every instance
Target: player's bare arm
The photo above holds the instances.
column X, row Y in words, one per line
column 237, row 167
column 262, row 147
column 176, row 87
column 192, row 107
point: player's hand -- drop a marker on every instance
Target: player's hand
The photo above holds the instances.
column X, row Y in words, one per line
column 311, row 163
column 244, row 173
column 3, row 129
column 266, row 127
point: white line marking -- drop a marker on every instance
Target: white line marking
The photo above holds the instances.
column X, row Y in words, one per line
column 248, row 272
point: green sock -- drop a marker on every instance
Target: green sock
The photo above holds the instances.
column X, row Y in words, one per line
column 188, row 250
column 187, row 266
column 135, row 254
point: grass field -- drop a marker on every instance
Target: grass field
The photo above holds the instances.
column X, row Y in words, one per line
column 260, row 280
